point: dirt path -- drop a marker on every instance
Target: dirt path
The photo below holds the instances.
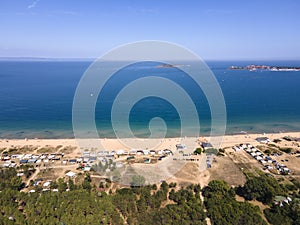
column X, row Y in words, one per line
column 33, row 176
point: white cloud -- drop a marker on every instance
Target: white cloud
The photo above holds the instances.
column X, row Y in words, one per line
column 33, row 4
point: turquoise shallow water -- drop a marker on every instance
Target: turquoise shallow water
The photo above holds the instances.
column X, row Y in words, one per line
column 36, row 98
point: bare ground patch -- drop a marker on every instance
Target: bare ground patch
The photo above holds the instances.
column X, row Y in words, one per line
column 225, row 169
column 189, row 174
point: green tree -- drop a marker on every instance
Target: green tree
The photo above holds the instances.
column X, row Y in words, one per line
column 71, row 185
column 62, row 186
column 198, row 151
column 53, row 185
column 262, row 188
column 223, row 209
column 86, row 184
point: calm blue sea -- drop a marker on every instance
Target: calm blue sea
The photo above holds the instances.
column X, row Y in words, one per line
column 36, row 98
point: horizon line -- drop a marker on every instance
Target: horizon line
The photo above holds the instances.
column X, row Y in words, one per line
column 29, row 58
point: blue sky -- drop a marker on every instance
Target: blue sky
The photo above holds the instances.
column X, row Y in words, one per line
column 215, row 29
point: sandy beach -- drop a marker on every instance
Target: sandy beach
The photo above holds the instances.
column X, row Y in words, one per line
column 127, row 144
column 114, row 144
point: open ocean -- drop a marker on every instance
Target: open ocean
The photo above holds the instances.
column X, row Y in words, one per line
column 36, row 98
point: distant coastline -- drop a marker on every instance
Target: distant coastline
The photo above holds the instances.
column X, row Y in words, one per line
column 44, row 59
column 265, row 67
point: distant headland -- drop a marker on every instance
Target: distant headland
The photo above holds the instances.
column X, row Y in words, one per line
column 264, row 67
